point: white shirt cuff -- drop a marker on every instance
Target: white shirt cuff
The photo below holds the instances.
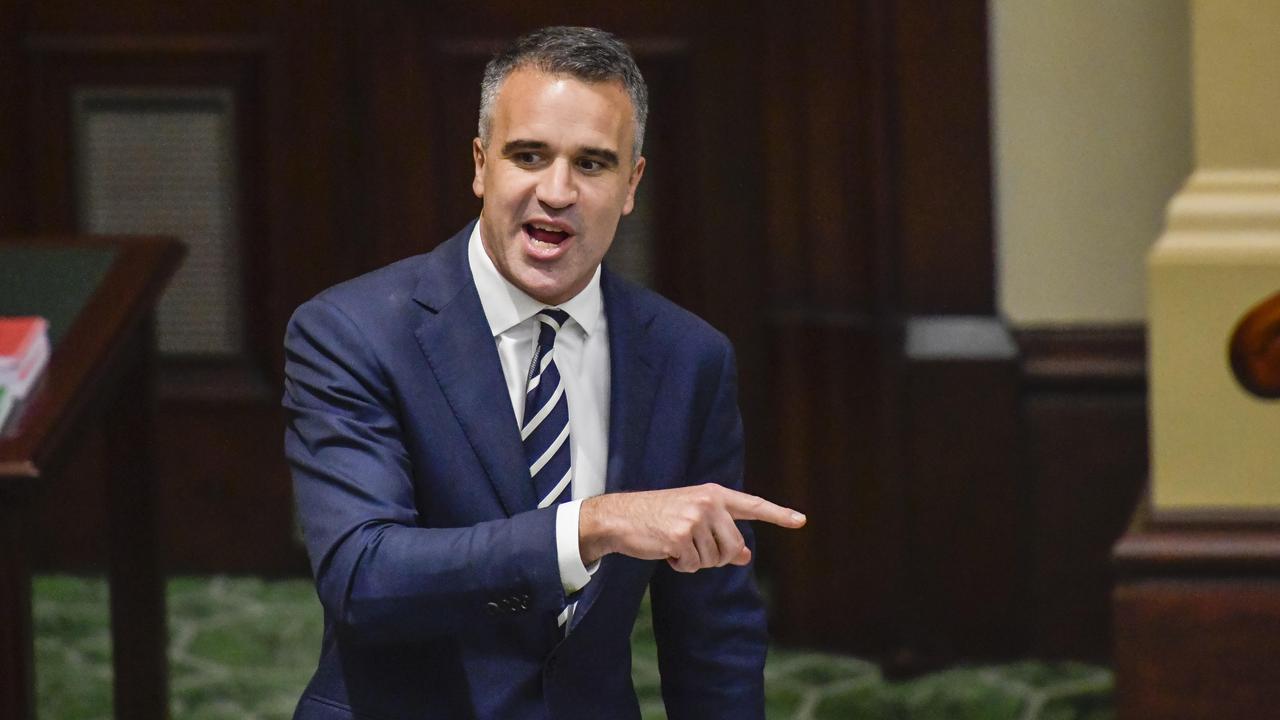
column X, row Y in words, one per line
column 573, row 574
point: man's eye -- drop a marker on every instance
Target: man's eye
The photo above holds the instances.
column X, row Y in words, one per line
column 526, row 158
column 589, row 165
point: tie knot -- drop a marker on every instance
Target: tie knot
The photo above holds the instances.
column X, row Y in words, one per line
column 554, row 317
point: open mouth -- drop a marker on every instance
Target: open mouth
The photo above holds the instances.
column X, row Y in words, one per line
column 546, row 234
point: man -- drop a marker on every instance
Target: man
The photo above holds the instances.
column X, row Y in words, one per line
column 499, row 445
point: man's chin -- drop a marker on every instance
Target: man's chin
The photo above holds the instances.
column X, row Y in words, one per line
column 545, row 288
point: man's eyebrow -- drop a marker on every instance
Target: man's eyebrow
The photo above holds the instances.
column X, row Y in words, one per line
column 516, row 146
column 608, row 157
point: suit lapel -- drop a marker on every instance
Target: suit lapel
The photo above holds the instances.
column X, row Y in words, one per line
column 633, row 380
column 460, row 350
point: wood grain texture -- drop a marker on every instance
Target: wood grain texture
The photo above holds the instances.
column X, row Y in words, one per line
column 1083, row 461
column 967, row 548
column 17, row 677
column 1197, row 649
column 1197, row 618
column 944, row 187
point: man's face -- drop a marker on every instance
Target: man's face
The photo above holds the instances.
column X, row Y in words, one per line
column 555, row 177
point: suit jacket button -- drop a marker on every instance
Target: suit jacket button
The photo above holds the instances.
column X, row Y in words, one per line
column 492, row 608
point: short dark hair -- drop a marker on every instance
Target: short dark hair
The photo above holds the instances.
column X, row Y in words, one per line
column 585, row 53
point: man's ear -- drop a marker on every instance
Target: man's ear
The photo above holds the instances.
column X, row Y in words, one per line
column 477, row 154
column 637, row 171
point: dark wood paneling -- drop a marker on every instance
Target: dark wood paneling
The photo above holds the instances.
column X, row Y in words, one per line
column 15, row 196
column 70, row 518
column 965, row 551
column 228, row 505
column 1109, row 358
column 62, row 64
column 833, row 348
column 944, row 168
column 1084, row 465
column 1197, row 617
column 411, row 177
column 312, row 188
column 139, row 634
column 17, row 674
column 216, row 444
column 837, row 581
column 822, row 238
column 145, row 17
column 869, row 219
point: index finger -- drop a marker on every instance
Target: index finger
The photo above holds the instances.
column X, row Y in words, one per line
column 750, row 507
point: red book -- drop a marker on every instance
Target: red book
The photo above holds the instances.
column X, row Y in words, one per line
column 18, row 337
column 24, row 350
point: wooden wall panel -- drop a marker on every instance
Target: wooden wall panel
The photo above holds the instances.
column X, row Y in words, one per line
column 833, row 344
column 227, row 501
column 1197, row 617
column 1087, row 464
column 1084, row 467
column 311, row 189
column 965, row 545
column 286, row 217
column 944, row 170
column 822, row 239
column 15, row 197
column 1197, row 651
column 837, row 582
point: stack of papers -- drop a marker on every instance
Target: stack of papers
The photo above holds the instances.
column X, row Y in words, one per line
column 24, row 352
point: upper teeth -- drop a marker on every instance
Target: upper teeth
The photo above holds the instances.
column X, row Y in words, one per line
column 540, row 226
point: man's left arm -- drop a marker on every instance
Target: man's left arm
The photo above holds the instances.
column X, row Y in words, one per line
column 710, row 624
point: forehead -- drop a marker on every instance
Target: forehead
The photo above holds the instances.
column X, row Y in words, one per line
column 536, row 105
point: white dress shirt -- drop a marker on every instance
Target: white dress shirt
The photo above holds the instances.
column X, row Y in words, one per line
column 582, row 356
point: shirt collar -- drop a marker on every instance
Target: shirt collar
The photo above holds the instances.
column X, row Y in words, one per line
column 506, row 305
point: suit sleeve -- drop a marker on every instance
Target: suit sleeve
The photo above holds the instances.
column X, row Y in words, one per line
column 379, row 575
column 710, row 625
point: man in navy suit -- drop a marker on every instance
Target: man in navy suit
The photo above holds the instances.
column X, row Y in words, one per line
column 498, row 446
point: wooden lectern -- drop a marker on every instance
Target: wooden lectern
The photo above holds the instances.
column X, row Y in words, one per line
column 99, row 295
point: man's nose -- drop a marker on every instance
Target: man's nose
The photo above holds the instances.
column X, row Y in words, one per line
column 556, row 187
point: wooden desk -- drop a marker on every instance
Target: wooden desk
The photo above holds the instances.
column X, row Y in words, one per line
column 99, row 296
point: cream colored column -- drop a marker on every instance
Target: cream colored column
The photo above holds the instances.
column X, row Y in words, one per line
column 1216, row 446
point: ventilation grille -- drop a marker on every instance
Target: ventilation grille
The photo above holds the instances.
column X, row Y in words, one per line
column 162, row 162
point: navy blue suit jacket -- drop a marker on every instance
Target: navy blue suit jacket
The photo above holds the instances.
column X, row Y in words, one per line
column 438, row 576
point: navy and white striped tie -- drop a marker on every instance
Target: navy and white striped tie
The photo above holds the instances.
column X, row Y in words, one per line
column 545, row 429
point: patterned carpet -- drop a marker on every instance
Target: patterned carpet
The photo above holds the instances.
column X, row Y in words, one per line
column 243, row 649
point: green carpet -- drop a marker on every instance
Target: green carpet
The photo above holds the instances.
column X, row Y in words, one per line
column 243, row 648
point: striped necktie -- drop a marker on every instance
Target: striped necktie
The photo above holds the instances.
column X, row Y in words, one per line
column 545, row 430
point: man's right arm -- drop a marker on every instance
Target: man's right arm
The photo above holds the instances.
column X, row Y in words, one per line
column 378, row 573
